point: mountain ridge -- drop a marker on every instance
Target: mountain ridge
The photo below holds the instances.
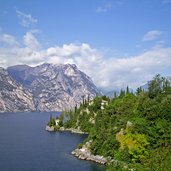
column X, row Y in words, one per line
column 51, row 87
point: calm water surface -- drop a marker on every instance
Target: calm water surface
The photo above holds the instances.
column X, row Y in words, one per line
column 26, row 146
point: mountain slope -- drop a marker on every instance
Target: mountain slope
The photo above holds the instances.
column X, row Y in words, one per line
column 13, row 97
column 54, row 87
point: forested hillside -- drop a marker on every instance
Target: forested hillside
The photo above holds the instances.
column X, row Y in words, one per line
column 130, row 128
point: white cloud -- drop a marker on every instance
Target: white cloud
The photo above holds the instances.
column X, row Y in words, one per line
column 106, row 7
column 26, row 19
column 9, row 40
column 30, row 41
column 11, row 53
column 113, row 72
column 152, row 35
column 107, row 73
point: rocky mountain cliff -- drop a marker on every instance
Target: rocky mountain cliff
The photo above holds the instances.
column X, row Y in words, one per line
column 54, row 87
column 13, row 96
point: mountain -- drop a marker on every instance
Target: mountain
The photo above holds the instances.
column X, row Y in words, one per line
column 145, row 86
column 13, row 96
column 111, row 93
column 54, row 87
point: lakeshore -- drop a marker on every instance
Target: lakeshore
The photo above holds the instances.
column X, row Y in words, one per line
column 84, row 152
column 42, row 150
column 72, row 130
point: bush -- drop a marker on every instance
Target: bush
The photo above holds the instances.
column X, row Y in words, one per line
column 56, row 127
column 79, row 146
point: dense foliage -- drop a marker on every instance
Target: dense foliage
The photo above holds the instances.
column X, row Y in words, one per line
column 51, row 121
column 55, row 122
column 133, row 128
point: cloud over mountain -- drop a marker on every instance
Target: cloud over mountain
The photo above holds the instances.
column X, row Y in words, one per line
column 107, row 73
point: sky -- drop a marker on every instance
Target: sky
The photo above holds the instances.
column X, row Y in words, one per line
column 116, row 42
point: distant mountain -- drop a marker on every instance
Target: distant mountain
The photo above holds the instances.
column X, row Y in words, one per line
column 111, row 93
column 54, row 87
column 13, row 96
column 145, row 86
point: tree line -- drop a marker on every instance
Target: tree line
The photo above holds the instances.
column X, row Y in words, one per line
column 134, row 128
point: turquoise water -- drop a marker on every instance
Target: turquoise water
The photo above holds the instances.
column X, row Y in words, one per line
column 26, row 146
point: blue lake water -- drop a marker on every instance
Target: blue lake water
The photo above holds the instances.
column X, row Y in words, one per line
column 26, row 146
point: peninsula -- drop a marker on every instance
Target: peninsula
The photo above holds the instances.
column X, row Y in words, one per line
column 131, row 129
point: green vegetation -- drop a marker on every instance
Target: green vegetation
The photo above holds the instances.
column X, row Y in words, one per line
column 51, row 121
column 134, row 129
column 56, row 123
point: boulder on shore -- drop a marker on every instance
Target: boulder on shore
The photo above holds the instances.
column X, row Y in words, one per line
column 48, row 128
column 85, row 154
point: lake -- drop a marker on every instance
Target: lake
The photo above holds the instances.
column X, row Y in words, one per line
column 26, row 146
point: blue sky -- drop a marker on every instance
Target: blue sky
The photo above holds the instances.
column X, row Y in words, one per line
column 126, row 41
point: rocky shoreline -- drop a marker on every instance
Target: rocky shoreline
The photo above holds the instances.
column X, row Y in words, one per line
column 50, row 129
column 85, row 154
column 72, row 130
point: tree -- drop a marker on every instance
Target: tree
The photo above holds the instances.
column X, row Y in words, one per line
column 122, row 93
column 52, row 121
column 166, row 86
column 135, row 143
column 139, row 90
column 127, row 90
column 75, row 108
column 155, row 86
column 139, row 144
column 115, row 95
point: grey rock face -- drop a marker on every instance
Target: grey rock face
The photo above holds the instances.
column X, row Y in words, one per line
column 54, row 87
column 13, row 97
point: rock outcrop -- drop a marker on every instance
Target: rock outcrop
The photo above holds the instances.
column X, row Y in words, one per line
column 50, row 128
column 85, row 154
